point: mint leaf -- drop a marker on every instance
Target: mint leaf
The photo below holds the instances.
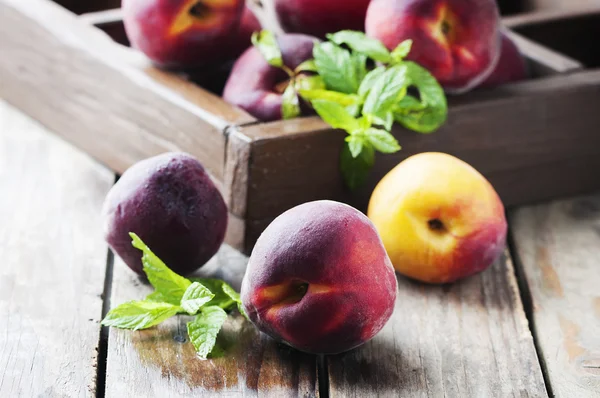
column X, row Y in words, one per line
column 216, row 287
column 382, row 140
column 370, row 80
column 336, row 115
column 433, row 109
column 355, row 144
column 266, row 43
column 138, row 315
column 387, row 90
column 356, row 170
column 166, row 282
column 235, row 296
column 304, row 82
column 401, row 51
column 361, row 43
column 306, row 66
column 195, row 297
column 386, row 120
column 203, row 330
column 333, row 96
column 335, row 66
column 360, row 66
column 290, row 105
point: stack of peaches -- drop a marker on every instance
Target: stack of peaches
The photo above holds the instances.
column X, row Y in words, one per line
column 461, row 42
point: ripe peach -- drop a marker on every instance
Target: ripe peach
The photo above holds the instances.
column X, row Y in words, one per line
column 319, row 279
column 256, row 86
column 242, row 38
column 510, row 68
column 440, row 220
column 171, row 203
column 319, row 17
column 182, row 33
column 456, row 40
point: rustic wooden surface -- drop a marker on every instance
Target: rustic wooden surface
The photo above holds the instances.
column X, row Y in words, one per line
column 161, row 362
column 469, row 339
column 53, row 262
column 558, row 249
column 104, row 91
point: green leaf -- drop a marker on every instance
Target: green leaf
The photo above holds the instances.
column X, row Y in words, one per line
column 335, row 66
column 235, row 296
column 361, row 43
column 203, row 330
column 138, row 315
column 290, row 105
column 216, row 287
column 382, row 140
column 360, row 66
column 333, row 96
column 306, row 66
column 336, row 115
column 431, row 112
column 266, row 43
column 387, row 90
column 356, row 170
column 386, row 120
column 304, row 82
column 401, row 51
column 355, row 144
column 195, row 297
column 370, row 80
column 166, row 282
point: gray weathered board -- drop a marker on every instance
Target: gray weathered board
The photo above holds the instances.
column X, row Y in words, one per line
column 52, row 262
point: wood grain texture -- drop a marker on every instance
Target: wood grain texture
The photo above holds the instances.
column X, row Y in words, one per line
column 573, row 34
column 532, row 140
column 161, row 362
column 543, row 61
column 53, row 262
column 105, row 98
column 468, row 339
column 558, row 249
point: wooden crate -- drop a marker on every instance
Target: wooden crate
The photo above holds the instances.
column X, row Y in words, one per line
column 534, row 140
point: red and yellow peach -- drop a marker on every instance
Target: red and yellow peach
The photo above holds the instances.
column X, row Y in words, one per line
column 440, row 220
column 182, row 33
column 458, row 41
column 319, row 279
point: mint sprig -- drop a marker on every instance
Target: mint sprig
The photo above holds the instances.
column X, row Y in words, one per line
column 364, row 101
column 174, row 294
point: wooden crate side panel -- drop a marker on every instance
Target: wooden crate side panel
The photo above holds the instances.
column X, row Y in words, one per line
column 518, row 131
column 102, row 97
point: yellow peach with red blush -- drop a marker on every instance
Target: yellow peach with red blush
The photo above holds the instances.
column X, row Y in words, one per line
column 439, row 218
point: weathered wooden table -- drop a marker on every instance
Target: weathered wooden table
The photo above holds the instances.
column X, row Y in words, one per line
column 529, row 326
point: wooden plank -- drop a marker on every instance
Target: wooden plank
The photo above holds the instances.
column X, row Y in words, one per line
column 53, row 262
column 75, row 80
column 542, row 60
column 536, row 132
column 161, row 362
column 558, row 248
column 573, row 34
column 468, row 339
